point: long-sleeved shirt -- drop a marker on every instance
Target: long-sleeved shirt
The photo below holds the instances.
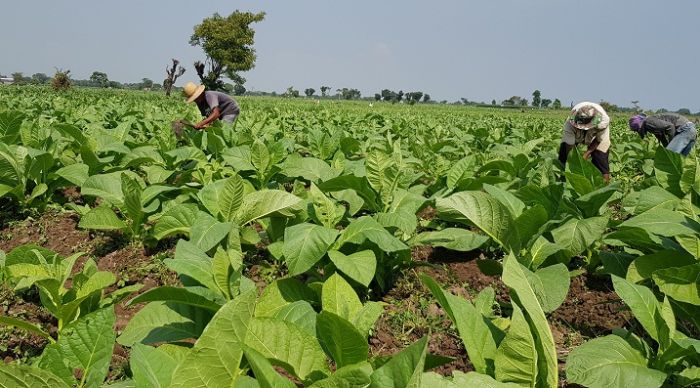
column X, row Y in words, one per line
column 663, row 126
column 599, row 133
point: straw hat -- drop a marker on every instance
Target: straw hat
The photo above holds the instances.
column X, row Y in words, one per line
column 585, row 118
column 192, row 91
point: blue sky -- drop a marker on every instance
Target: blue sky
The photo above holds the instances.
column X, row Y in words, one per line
column 595, row 50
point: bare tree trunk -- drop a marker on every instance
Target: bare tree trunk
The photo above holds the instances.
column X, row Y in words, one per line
column 173, row 73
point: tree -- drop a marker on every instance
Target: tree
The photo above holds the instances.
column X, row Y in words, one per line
column 683, row 111
column 146, row 83
column 493, row 102
column 291, row 92
column 99, row 79
column 536, row 102
column 309, row 92
column 426, row 97
column 239, row 89
column 413, row 97
column 18, row 78
column 377, row 96
column 635, row 104
column 61, row 80
column 228, row 45
column 324, row 90
column 464, row 101
column 40, row 78
column 609, row 107
column 556, row 104
column 523, row 102
column 173, row 73
column 545, row 102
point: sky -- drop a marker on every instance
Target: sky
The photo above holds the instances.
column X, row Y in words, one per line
column 617, row 51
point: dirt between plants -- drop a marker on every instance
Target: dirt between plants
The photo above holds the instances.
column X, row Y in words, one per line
column 590, row 309
column 60, row 233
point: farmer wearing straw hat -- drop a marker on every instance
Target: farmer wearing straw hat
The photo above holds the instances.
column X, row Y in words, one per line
column 588, row 124
column 212, row 104
column 675, row 132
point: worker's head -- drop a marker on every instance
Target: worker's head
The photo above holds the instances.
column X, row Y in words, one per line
column 636, row 122
column 192, row 91
column 584, row 118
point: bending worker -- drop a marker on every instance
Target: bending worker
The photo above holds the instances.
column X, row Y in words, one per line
column 588, row 124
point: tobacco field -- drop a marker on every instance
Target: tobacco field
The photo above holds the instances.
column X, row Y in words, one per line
column 337, row 244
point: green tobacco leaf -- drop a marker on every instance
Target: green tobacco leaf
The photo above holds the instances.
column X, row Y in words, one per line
column 526, row 297
column 87, row 344
column 101, row 218
column 353, row 376
column 299, row 313
column 192, row 262
column 645, row 307
column 231, row 198
column 542, row 249
column 338, row 297
column 305, row 244
column 471, row 325
column 643, row 267
column 461, row 380
column 591, row 203
column 265, row 373
column 207, row 232
column 359, row 266
column 164, row 322
column 341, row 340
column 451, row 238
column 655, row 197
column 311, row 169
column 366, row 228
column 668, row 168
column 404, row 221
column 484, row 211
column 513, row 203
column 210, row 196
column 177, row 220
column 132, row 199
column 298, row 352
column 365, row 319
column 576, row 235
column 281, row 293
column 680, row 283
column 106, row 186
column 25, row 376
column 76, row 173
column 550, row 284
column 215, row 359
column 10, row 124
column 403, row 370
column 175, row 295
column 24, row 325
column 516, row 357
column 152, row 367
column 264, row 203
column 662, row 222
column 359, row 185
column 610, row 362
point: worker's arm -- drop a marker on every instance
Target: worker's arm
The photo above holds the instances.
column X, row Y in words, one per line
column 213, row 116
column 591, row 147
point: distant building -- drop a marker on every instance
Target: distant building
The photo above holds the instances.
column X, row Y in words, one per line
column 6, row 80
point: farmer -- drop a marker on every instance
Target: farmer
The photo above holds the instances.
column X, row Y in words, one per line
column 675, row 132
column 588, row 124
column 213, row 105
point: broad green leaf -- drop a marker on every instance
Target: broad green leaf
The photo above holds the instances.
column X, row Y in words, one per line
column 461, row 380
column 211, row 196
column 680, row 283
column 668, row 168
column 365, row 319
column 299, row 313
column 359, row 185
column 152, row 367
column 231, row 197
column 341, row 340
column 366, row 228
column 305, row 244
column 207, row 232
column 192, row 262
column 529, row 223
column 338, row 297
column 177, row 220
column 515, row 205
column 643, row 267
column 451, row 238
column 591, row 203
column 311, row 169
column 404, row 221
column 265, row 374
column 662, row 222
column 353, row 376
column 298, row 352
column 516, row 357
column 550, row 284
column 101, row 218
column 106, row 186
column 10, row 124
column 403, row 370
column 215, row 359
column 654, row 197
column 26, row 376
column 264, row 203
column 610, row 362
column 645, row 307
column 484, row 211
column 164, row 322
column 132, row 199
column 175, row 295
column 76, row 173
column 359, row 266
column 542, row 249
column 281, row 293
column 576, row 235
column 525, row 296
column 24, row 325
column 472, row 327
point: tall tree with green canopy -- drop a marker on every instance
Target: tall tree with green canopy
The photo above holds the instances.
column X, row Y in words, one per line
column 228, row 45
column 536, row 98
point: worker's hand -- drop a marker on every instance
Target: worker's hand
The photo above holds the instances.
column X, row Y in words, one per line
column 199, row 126
column 586, row 155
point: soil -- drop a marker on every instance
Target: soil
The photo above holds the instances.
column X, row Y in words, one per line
column 591, row 308
column 59, row 232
